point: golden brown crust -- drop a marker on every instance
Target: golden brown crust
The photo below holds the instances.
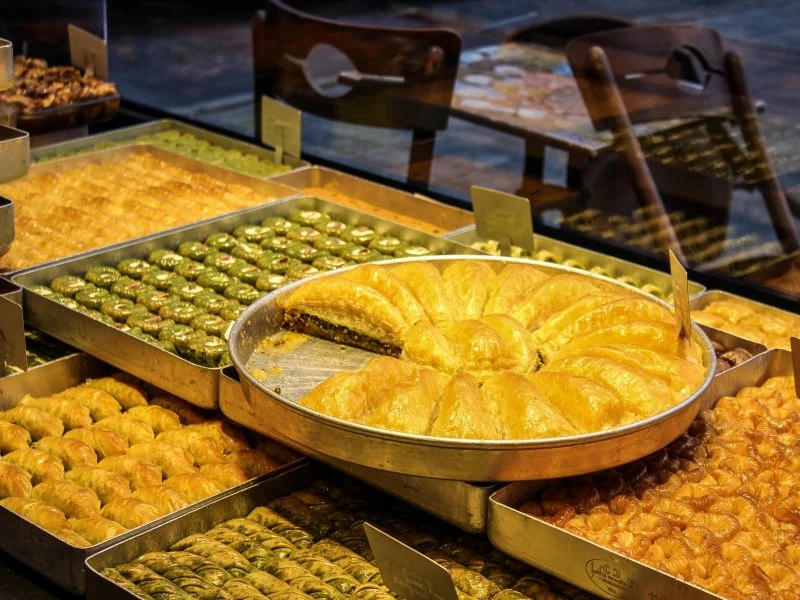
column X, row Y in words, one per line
column 613, row 354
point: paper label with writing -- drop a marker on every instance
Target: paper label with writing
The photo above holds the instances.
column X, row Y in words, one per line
column 680, row 297
column 12, row 334
column 796, row 364
column 280, row 128
column 406, row 572
column 88, row 52
column 502, row 217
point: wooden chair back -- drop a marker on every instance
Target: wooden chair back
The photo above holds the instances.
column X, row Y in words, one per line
column 661, row 72
column 397, row 78
column 559, row 32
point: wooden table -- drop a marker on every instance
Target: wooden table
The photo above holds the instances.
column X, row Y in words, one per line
column 529, row 91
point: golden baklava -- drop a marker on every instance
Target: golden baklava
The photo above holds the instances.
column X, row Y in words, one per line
column 471, row 352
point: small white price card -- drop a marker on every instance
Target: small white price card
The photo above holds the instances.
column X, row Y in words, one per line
column 406, row 572
column 680, row 295
column 280, row 128
column 88, row 52
column 502, row 217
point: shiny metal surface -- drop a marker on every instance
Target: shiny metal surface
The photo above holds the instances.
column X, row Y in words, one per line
column 414, row 206
column 459, row 503
column 199, row 519
column 6, row 64
column 616, row 266
column 7, row 232
column 15, row 148
column 706, row 298
column 425, row 456
column 194, row 383
column 590, row 566
column 129, row 134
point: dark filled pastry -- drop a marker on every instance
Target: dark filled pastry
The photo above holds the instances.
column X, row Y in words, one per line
column 37, row 86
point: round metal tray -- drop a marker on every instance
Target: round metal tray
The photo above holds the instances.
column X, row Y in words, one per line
column 284, row 374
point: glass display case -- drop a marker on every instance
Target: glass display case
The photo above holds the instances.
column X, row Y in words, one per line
column 513, row 116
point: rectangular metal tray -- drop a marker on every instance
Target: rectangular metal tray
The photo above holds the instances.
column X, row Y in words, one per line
column 590, row 566
column 32, row 545
column 459, row 503
column 700, row 301
column 731, row 341
column 194, row 383
column 430, row 216
column 590, row 258
column 270, row 190
column 199, row 519
column 130, row 134
column 15, row 146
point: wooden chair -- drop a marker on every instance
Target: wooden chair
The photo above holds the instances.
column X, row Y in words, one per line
column 557, row 34
column 384, row 77
column 658, row 72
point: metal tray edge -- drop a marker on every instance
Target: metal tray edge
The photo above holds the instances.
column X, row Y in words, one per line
column 415, row 206
column 199, row 517
column 439, row 497
column 468, row 235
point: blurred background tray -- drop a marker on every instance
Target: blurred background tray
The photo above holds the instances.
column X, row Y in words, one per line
column 459, row 503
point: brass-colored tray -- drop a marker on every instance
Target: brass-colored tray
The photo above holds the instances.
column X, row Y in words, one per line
column 268, row 189
column 616, row 266
column 459, row 503
column 294, row 373
column 36, row 547
column 593, row 567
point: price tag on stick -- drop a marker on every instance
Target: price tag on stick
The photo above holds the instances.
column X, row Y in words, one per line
column 280, row 128
column 12, row 335
column 680, row 298
column 88, row 52
column 406, row 572
column 796, row 364
column 502, row 217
